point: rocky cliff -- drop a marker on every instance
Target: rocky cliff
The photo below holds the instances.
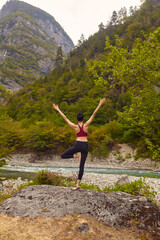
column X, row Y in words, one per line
column 29, row 38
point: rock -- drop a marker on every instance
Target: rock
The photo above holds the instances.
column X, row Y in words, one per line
column 9, row 186
column 108, row 235
column 83, row 228
column 123, row 180
column 116, row 209
column 29, row 39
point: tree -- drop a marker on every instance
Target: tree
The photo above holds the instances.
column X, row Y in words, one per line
column 139, row 71
column 114, row 18
column 132, row 11
column 122, row 15
column 101, row 26
column 59, row 57
column 81, row 40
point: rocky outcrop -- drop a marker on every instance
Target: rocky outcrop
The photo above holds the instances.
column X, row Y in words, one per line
column 45, row 20
column 29, row 39
column 115, row 209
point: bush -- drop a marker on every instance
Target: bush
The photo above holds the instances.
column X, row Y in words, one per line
column 99, row 141
column 55, row 179
column 114, row 129
column 138, row 187
column 10, row 136
column 46, row 137
column 48, row 178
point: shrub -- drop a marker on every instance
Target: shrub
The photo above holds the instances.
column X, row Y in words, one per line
column 48, row 178
column 51, row 178
column 10, row 136
column 138, row 187
column 114, row 129
column 99, row 141
column 45, row 136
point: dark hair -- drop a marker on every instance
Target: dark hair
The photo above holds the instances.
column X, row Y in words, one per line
column 80, row 117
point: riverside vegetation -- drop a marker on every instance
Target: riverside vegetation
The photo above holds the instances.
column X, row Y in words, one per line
column 126, row 72
column 137, row 187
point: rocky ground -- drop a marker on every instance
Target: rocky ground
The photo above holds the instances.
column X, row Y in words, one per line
column 120, row 158
column 115, row 209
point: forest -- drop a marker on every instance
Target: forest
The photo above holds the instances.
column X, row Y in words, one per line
column 120, row 62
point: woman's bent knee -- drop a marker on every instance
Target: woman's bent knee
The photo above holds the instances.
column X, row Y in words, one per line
column 63, row 156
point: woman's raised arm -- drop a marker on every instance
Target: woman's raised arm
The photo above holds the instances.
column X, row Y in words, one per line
column 64, row 117
column 95, row 112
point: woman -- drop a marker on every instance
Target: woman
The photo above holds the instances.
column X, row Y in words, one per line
column 81, row 144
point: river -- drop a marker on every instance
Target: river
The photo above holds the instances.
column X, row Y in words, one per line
column 27, row 172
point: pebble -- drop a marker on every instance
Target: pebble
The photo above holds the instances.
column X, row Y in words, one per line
column 103, row 180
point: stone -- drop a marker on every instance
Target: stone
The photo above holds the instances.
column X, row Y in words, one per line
column 116, row 208
column 123, row 180
column 108, row 235
column 19, row 22
column 83, row 228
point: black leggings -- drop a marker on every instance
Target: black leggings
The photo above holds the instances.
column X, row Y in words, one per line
column 78, row 147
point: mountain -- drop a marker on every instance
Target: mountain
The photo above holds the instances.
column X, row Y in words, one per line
column 128, row 27
column 29, row 39
column 126, row 72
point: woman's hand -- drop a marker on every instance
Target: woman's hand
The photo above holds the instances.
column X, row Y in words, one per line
column 55, row 107
column 102, row 101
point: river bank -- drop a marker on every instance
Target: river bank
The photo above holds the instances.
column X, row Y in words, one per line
column 123, row 158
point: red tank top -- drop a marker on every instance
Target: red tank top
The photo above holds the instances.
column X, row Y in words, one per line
column 81, row 133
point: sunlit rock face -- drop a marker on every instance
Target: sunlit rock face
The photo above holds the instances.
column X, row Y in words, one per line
column 29, row 38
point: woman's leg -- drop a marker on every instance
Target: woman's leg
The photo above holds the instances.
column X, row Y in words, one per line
column 69, row 152
column 78, row 156
column 81, row 168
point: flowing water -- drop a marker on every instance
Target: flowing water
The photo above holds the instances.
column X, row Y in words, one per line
column 27, row 172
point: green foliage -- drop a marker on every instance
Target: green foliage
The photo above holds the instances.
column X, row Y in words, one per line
column 136, row 72
column 138, row 187
column 91, row 187
column 127, row 73
column 10, row 136
column 48, row 178
column 114, row 128
column 100, row 141
column 46, row 137
column 55, row 179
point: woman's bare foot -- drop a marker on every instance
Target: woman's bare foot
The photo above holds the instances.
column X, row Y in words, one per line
column 77, row 156
column 78, row 183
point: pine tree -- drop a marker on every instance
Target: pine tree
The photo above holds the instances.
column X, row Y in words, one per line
column 101, row 26
column 114, row 18
column 59, row 57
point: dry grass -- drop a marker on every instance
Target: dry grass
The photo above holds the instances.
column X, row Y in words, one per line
column 63, row 228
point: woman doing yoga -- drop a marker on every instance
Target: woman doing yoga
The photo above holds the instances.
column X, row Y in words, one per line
column 81, row 144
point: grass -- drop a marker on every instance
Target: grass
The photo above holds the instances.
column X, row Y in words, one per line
column 60, row 228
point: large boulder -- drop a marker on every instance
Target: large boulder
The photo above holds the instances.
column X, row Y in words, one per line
column 115, row 208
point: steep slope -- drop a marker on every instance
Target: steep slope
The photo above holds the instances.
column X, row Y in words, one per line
column 138, row 21
column 29, row 39
column 45, row 20
column 126, row 76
